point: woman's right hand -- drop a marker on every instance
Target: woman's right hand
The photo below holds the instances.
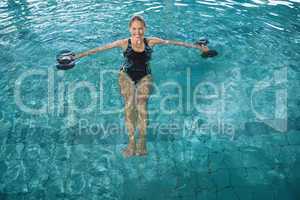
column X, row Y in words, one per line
column 203, row 48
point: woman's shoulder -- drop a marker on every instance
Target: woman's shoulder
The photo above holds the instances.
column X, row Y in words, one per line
column 154, row 40
column 123, row 43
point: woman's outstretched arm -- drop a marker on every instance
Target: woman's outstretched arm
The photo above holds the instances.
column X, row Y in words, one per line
column 117, row 43
column 155, row 41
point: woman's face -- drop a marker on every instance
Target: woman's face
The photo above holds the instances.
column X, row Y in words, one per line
column 137, row 30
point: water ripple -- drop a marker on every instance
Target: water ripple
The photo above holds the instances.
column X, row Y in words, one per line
column 276, row 27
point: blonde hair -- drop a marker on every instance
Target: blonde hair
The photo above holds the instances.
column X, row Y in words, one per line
column 138, row 18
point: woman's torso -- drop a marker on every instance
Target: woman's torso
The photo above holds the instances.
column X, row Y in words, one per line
column 137, row 60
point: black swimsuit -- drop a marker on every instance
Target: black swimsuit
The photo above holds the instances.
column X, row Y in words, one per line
column 136, row 64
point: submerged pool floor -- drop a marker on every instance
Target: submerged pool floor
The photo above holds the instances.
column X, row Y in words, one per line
column 251, row 166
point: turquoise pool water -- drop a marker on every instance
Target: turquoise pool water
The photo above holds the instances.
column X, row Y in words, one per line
column 221, row 128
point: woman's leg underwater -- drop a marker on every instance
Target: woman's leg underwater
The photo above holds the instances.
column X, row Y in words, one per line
column 127, row 88
column 143, row 93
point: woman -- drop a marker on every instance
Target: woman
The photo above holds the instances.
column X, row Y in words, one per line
column 135, row 79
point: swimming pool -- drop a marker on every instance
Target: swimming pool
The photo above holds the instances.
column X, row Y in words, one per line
column 220, row 128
